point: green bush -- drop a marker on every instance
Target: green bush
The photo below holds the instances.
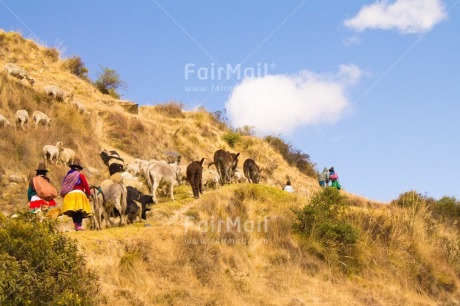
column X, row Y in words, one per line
column 323, row 222
column 408, row 199
column 246, row 130
column 77, row 67
column 232, row 138
column 41, row 266
column 292, row 155
column 446, row 209
column 109, row 81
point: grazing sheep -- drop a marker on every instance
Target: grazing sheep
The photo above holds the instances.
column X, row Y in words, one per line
column 21, row 117
column 134, row 167
column 238, row 177
column 19, row 72
column 4, row 121
column 42, row 118
column 66, row 155
column 58, row 94
column 81, row 108
column 211, row 179
column 50, row 153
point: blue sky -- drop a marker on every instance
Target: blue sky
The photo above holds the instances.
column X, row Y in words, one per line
column 371, row 88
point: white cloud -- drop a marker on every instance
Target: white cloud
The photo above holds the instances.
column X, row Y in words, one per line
column 407, row 16
column 282, row 103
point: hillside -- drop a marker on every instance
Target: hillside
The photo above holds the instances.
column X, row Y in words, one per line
column 402, row 256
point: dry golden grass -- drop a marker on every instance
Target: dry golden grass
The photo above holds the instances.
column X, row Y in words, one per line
column 403, row 256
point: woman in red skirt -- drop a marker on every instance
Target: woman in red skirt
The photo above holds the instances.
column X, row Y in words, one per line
column 35, row 202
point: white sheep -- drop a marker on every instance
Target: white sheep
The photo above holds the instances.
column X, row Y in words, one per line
column 58, row 94
column 134, row 167
column 21, row 117
column 42, row 118
column 51, row 153
column 19, row 72
column 4, row 121
column 80, row 107
column 66, row 155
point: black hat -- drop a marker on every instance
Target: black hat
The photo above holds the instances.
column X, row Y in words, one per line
column 42, row 167
column 331, row 169
column 76, row 164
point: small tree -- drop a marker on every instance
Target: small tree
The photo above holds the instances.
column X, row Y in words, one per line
column 77, row 67
column 323, row 225
column 109, row 81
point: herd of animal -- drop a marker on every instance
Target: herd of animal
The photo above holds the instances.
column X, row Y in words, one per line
column 112, row 195
column 21, row 117
column 130, row 204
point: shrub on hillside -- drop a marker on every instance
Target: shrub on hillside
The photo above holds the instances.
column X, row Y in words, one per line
column 220, row 119
column 77, row 67
column 52, row 54
column 292, row 155
column 323, row 222
column 246, row 130
column 171, row 109
column 446, row 209
column 232, row 138
column 109, row 81
column 41, row 266
column 408, row 199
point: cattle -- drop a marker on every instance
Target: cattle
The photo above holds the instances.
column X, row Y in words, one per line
column 115, row 197
column 194, row 176
column 58, row 94
column 21, row 117
column 211, row 179
column 19, row 72
column 251, row 171
column 42, row 118
column 4, row 121
column 97, row 208
column 226, row 164
column 66, row 155
column 51, row 154
column 238, row 177
column 161, row 173
column 137, row 204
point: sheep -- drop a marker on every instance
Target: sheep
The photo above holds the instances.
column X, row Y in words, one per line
column 211, row 179
column 19, row 72
column 21, row 117
column 134, row 167
column 81, row 108
column 4, row 121
column 40, row 117
column 66, row 155
column 238, row 177
column 50, row 153
column 58, row 94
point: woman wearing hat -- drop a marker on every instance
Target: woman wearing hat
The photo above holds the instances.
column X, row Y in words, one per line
column 76, row 202
column 35, row 202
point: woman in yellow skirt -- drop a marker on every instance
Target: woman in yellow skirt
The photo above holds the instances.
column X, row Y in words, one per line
column 76, row 201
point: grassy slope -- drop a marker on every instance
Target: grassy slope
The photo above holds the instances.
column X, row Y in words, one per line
column 403, row 257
